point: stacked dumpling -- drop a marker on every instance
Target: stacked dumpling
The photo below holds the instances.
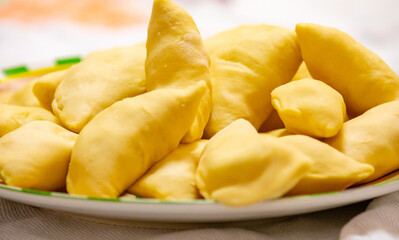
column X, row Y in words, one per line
column 253, row 113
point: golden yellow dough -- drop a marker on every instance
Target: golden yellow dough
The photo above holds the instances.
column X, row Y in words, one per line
column 13, row 117
column 274, row 122
column 309, row 107
column 36, row 156
column 122, row 142
column 334, row 57
column 247, row 63
column 102, row 78
column 45, row 86
column 331, row 170
column 239, row 167
column 24, row 96
column 172, row 178
column 281, row 132
column 302, row 73
column 372, row 138
column 177, row 58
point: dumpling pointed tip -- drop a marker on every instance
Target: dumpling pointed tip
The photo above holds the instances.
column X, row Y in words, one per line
column 302, row 26
column 163, row 3
column 306, row 26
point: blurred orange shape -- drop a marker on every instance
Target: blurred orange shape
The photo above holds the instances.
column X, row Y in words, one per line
column 108, row 13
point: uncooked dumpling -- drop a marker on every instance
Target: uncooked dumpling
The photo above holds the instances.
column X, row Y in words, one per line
column 13, row 116
column 331, row 170
column 25, row 96
column 122, row 142
column 176, row 57
column 172, row 178
column 102, row 78
column 247, row 63
column 274, row 122
column 240, row 167
column 45, row 86
column 309, row 107
column 372, row 138
column 334, row 57
column 36, row 156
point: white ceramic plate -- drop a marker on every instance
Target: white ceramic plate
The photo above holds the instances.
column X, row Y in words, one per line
column 183, row 211
column 199, row 210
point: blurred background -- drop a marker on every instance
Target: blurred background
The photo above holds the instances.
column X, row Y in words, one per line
column 33, row 31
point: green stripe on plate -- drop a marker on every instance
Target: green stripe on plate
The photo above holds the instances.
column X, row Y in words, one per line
column 66, row 195
column 62, row 61
column 15, row 70
column 384, row 182
column 44, row 193
column 104, row 199
column 10, row 187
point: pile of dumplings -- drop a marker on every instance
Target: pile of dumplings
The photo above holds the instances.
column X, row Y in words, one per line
column 253, row 113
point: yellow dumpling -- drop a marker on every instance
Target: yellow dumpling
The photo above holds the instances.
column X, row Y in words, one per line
column 123, row 141
column 309, row 107
column 172, row 178
column 176, row 57
column 331, row 170
column 302, row 73
column 36, row 156
column 240, row 167
column 24, row 96
column 45, row 86
column 334, row 57
column 247, row 63
column 13, row 117
column 274, row 122
column 372, row 138
column 102, row 78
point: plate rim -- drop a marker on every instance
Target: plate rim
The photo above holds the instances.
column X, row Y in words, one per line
column 194, row 211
